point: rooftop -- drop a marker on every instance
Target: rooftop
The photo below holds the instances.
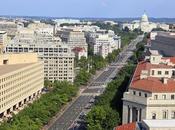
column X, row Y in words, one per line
column 5, row 69
column 160, row 123
column 152, row 84
column 131, row 126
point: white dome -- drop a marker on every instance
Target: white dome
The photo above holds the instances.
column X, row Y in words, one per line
column 144, row 18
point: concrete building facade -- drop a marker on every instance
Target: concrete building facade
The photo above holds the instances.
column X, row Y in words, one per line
column 151, row 93
column 163, row 42
column 3, row 41
column 58, row 59
column 74, row 38
column 104, row 43
column 56, row 55
column 9, row 27
column 21, row 80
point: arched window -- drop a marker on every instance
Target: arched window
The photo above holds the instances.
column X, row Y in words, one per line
column 165, row 115
column 153, row 116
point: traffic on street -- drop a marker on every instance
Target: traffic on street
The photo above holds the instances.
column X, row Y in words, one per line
column 73, row 117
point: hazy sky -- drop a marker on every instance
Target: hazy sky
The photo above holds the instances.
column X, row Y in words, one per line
column 88, row 8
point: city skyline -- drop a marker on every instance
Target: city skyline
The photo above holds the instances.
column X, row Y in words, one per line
column 90, row 8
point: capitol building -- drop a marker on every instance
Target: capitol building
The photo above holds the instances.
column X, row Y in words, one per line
column 144, row 25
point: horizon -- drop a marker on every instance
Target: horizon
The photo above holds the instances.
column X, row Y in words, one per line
column 67, row 17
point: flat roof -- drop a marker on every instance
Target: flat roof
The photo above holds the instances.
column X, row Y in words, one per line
column 4, row 69
column 160, row 123
column 2, row 32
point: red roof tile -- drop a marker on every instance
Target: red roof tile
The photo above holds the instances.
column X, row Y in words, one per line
column 172, row 59
column 131, row 126
column 78, row 49
column 151, row 84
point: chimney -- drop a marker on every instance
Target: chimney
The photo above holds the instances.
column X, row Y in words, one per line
column 165, row 80
column 144, row 74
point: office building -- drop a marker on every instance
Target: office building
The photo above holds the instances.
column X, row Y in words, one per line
column 74, row 38
column 58, row 59
column 57, row 56
column 104, row 42
column 3, row 41
column 21, row 80
column 9, row 27
column 151, row 93
column 164, row 42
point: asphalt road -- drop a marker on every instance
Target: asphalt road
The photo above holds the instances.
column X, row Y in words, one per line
column 68, row 120
column 68, row 117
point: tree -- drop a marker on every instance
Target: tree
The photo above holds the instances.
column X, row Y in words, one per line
column 47, row 83
column 83, row 63
column 40, row 112
column 102, row 118
column 82, row 77
column 126, row 29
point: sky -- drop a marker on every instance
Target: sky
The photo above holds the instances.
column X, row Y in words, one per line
column 89, row 8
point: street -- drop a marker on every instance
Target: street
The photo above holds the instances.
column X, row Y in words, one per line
column 68, row 120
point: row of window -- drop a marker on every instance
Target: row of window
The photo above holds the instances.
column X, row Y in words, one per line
column 65, row 50
column 164, row 115
column 140, row 94
column 160, row 72
column 12, row 79
column 58, row 72
column 164, row 97
column 20, row 93
column 15, row 75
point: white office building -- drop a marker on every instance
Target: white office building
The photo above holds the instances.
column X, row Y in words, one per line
column 104, row 43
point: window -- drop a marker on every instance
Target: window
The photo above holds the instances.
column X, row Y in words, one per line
column 166, row 72
column 155, row 97
column 164, row 115
column 164, row 97
column 5, row 62
column 154, row 116
column 159, row 72
column 134, row 92
column 140, row 94
column 152, row 72
column 173, row 115
column 153, row 58
column 172, row 97
column 146, row 95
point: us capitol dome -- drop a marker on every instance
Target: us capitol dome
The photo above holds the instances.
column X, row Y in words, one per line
column 144, row 18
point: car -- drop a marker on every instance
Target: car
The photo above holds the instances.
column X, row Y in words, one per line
column 106, row 69
column 88, row 106
column 92, row 100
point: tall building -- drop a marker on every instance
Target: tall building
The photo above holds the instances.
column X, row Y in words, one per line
column 9, row 27
column 57, row 56
column 21, row 80
column 58, row 59
column 104, row 42
column 164, row 42
column 74, row 38
column 151, row 93
column 3, row 41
